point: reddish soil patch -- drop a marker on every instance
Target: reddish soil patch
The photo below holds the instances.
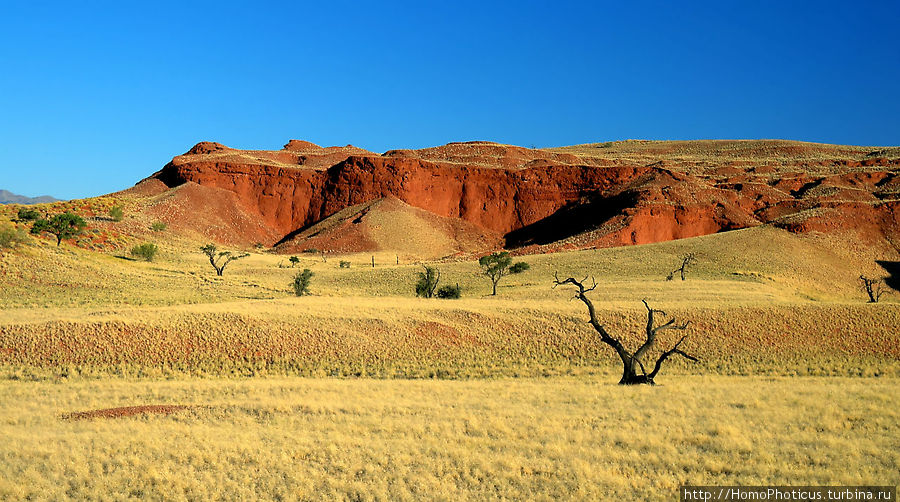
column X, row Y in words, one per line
column 127, row 411
column 211, row 212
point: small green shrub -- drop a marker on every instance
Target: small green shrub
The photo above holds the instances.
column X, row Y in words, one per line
column 116, row 213
column 146, row 251
column 158, row 226
column 311, row 251
column 301, row 282
column 12, row 237
column 344, row 264
column 449, row 292
column 519, row 267
column 294, row 261
column 427, row 282
column 28, row 214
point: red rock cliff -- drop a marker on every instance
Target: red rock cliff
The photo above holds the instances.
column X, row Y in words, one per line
column 539, row 196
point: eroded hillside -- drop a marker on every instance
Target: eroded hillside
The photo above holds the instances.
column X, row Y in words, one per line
column 587, row 196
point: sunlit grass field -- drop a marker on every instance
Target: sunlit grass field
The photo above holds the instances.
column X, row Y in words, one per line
column 760, row 301
column 518, row 439
column 362, row 391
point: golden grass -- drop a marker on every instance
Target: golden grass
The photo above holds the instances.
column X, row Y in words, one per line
column 756, row 265
column 534, row 439
column 761, row 301
column 782, row 155
column 85, row 325
column 415, row 338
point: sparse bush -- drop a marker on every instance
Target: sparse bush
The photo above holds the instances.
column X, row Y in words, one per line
column 157, row 226
column 301, row 282
column 311, row 251
column 496, row 265
column 146, row 251
column 687, row 260
column 874, row 288
column 11, row 237
column 294, row 261
column 449, row 292
column 344, row 264
column 28, row 214
column 63, row 226
column 116, row 213
column 428, row 281
column 519, row 267
column 258, row 245
column 220, row 259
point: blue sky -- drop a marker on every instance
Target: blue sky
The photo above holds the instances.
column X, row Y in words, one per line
column 96, row 96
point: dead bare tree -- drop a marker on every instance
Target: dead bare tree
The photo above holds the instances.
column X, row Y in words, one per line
column 686, row 261
column 631, row 361
column 873, row 287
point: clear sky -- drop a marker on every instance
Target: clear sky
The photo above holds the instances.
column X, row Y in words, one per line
column 96, row 96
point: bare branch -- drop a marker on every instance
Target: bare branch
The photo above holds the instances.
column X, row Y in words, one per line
column 599, row 328
column 665, row 355
column 873, row 287
column 686, row 261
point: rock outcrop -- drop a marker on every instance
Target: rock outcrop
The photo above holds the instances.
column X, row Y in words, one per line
column 572, row 197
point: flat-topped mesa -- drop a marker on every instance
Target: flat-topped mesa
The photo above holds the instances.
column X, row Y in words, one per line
column 493, row 192
column 489, row 154
column 571, row 197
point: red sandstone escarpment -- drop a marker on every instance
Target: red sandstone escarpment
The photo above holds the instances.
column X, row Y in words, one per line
column 289, row 197
column 557, row 199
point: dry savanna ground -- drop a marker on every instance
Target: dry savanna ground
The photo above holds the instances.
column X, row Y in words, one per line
column 482, row 397
column 516, row 439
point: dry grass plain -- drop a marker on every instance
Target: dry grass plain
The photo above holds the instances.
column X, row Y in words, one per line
column 363, row 392
column 515, row 439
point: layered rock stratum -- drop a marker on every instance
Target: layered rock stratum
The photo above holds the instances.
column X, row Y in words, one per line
column 537, row 200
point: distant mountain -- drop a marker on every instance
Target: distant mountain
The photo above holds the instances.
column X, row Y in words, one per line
column 7, row 197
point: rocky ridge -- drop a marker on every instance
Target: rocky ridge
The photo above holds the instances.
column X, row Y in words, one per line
column 584, row 196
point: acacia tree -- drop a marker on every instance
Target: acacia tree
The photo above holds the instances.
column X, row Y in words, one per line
column 63, row 226
column 686, row 261
column 220, row 259
column 497, row 265
column 873, row 287
column 631, row 361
